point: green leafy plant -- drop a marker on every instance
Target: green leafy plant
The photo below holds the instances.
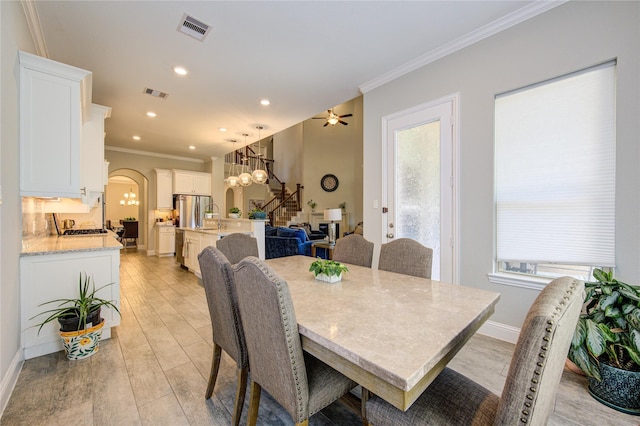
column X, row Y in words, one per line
column 343, row 205
column 80, row 307
column 235, row 210
column 312, row 204
column 130, row 219
column 609, row 328
column 257, row 213
column 327, row 267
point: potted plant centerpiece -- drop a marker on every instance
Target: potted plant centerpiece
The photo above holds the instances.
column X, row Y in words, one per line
column 328, row 270
column 312, row 204
column 79, row 319
column 606, row 342
column 235, row 213
column 257, row 213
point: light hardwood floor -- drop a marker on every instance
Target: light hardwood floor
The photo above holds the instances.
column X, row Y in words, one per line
column 154, row 369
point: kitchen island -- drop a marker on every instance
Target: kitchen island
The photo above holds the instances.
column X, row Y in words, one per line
column 196, row 239
column 50, row 269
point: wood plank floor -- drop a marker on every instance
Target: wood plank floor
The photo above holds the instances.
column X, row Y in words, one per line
column 154, row 369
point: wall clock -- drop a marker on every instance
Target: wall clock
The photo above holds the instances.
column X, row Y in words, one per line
column 329, row 182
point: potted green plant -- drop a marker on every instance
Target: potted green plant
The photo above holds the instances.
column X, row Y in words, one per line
column 257, row 213
column 328, row 270
column 235, row 213
column 312, row 204
column 606, row 342
column 79, row 319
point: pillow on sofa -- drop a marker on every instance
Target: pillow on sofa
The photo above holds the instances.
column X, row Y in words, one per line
column 270, row 231
column 305, row 226
column 292, row 232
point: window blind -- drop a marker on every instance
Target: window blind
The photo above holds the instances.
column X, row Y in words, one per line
column 555, row 170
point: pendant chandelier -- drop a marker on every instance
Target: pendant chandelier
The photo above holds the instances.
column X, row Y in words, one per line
column 233, row 180
column 245, row 177
column 259, row 176
column 129, row 199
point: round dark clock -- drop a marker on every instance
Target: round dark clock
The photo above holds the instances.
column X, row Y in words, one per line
column 329, row 182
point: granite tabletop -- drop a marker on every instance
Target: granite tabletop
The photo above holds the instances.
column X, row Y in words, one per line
column 55, row 244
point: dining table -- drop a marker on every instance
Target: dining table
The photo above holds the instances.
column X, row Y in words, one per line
column 391, row 333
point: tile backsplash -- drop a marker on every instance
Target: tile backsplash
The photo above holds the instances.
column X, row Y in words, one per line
column 35, row 222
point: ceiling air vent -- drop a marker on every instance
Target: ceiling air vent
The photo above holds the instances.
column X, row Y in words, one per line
column 193, row 28
column 155, row 93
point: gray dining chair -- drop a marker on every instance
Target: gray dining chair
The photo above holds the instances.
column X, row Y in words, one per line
column 237, row 246
column 354, row 249
column 406, row 256
column 226, row 323
column 529, row 392
column 302, row 384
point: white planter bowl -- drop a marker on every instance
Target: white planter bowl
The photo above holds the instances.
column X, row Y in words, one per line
column 329, row 279
column 234, row 216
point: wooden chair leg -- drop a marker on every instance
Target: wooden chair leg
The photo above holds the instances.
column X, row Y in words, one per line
column 215, row 366
column 363, row 406
column 240, row 391
column 254, row 404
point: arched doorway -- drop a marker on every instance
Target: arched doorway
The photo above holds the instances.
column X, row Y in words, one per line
column 128, row 181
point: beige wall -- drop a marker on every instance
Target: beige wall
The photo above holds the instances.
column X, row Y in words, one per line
column 14, row 36
column 567, row 38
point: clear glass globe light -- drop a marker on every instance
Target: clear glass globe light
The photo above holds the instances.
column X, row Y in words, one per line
column 259, row 176
column 233, row 181
column 245, row 179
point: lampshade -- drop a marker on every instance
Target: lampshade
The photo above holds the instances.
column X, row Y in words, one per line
column 333, row 214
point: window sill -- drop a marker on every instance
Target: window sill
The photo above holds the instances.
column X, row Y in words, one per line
column 514, row 280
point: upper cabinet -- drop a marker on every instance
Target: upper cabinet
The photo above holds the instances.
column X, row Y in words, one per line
column 92, row 178
column 53, row 98
column 191, row 183
column 164, row 196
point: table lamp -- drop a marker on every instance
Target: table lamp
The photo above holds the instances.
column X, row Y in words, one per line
column 332, row 215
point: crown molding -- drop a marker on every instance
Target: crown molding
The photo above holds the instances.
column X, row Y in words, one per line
column 151, row 154
column 534, row 9
column 33, row 22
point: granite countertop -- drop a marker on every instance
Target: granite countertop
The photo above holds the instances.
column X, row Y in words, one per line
column 68, row 244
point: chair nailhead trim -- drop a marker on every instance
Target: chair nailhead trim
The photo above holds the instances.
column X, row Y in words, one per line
column 523, row 420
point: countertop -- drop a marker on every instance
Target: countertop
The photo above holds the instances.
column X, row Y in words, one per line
column 68, row 244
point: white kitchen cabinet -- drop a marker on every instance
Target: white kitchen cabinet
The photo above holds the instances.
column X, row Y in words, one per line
column 164, row 196
column 55, row 276
column 92, row 154
column 191, row 251
column 52, row 99
column 191, row 183
column 166, row 240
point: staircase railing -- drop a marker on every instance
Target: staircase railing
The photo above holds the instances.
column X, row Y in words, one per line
column 288, row 203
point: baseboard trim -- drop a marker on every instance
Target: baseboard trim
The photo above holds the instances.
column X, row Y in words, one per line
column 10, row 379
column 500, row 331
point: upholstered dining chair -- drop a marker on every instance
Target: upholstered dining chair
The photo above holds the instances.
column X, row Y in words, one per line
column 302, row 384
column 354, row 249
column 534, row 373
column 406, row 256
column 237, row 246
column 226, row 324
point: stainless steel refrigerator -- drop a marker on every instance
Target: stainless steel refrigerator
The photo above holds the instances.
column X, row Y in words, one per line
column 190, row 209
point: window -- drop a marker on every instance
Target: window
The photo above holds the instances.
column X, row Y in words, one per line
column 555, row 175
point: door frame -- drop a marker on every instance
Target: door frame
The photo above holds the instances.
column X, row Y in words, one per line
column 455, row 170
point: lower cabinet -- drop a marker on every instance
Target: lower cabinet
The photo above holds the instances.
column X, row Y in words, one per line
column 165, row 240
column 191, row 251
column 55, row 276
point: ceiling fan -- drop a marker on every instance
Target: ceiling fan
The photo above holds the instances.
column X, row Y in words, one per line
column 333, row 118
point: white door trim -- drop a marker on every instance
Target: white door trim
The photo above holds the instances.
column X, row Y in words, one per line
column 455, row 170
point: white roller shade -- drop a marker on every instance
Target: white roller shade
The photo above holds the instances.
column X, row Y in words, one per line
column 555, row 170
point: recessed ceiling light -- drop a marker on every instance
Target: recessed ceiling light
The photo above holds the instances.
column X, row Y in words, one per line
column 151, row 114
column 180, row 70
column 222, row 129
column 265, row 102
column 192, row 147
column 136, row 138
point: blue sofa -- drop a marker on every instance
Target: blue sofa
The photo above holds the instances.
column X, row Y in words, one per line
column 280, row 242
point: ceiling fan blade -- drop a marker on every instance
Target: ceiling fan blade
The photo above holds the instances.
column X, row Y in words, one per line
column 326, row 124
column 343, row 122
column 319, row 118
column 346, row 115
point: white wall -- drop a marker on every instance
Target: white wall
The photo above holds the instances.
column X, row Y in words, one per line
column 567, row 38
column 14, row 36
